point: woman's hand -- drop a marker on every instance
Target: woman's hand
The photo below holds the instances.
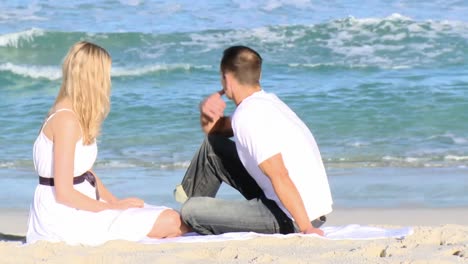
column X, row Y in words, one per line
column 126, row 203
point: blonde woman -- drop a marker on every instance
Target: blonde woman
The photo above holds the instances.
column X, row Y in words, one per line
column 71, row 204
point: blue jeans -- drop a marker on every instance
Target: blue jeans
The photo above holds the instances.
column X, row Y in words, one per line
column 216, row 162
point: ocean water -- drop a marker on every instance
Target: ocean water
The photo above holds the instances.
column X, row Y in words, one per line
column 384, row 89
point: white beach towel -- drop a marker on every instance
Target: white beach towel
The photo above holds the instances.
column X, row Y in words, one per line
column 347, row 232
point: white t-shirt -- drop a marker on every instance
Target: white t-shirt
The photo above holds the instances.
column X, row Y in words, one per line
column 264, row 126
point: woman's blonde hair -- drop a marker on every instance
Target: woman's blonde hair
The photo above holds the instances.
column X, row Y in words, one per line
column 86, row 82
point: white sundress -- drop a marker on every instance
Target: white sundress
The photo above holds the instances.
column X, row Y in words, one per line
column 54, row 222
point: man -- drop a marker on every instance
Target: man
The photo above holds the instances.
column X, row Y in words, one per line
column 274, row 163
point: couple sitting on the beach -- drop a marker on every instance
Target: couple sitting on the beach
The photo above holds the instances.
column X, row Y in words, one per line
column 274, row 162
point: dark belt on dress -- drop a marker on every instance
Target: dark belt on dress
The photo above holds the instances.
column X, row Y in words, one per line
column 87, row 176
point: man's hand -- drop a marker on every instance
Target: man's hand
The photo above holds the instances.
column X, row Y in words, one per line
column 313, row 230
column 212, row 107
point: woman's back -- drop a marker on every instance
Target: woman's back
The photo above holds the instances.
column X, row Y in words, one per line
column 85, row 155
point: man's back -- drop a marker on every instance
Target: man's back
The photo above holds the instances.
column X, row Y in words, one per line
column 264, row 126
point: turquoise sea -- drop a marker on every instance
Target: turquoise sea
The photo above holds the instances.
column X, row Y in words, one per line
column 383, row 87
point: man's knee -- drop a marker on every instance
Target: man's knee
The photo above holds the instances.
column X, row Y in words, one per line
column 196, row 209
column 221, row 145
column 211, row 138
column 217, row 140
column 196, row 212
column 190, row 209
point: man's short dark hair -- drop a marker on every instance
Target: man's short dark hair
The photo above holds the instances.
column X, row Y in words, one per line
column 244, row 63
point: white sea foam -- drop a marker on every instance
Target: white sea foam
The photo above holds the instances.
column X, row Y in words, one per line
column 116, row 164
column 15, row 39
column 117, row 71
column 409, row 161
column 455, row 139
column 357, row 144
column 175, row 165
column 346, row 65
column 391, row 158
column 456, row 158
column 460, row 140
column 270, row 5
column 7, row 165
column 261, row 35
column 393, row 42
column 396, row 37
column 143, row 164
column 412, row 159
column 35, row 72
column 426, row 161
column 274, row 4
column 312, row 65
column 358, row 40
column 54, row 72
column 401, row 67
column 21, row 14
column 130, row 2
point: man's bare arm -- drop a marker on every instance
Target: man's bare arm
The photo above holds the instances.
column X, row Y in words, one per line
column 287, row 192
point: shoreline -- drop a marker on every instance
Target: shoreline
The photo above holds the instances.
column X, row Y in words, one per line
column 351, row 188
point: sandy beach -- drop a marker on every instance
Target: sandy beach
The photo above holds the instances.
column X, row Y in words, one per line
column 440, row 236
